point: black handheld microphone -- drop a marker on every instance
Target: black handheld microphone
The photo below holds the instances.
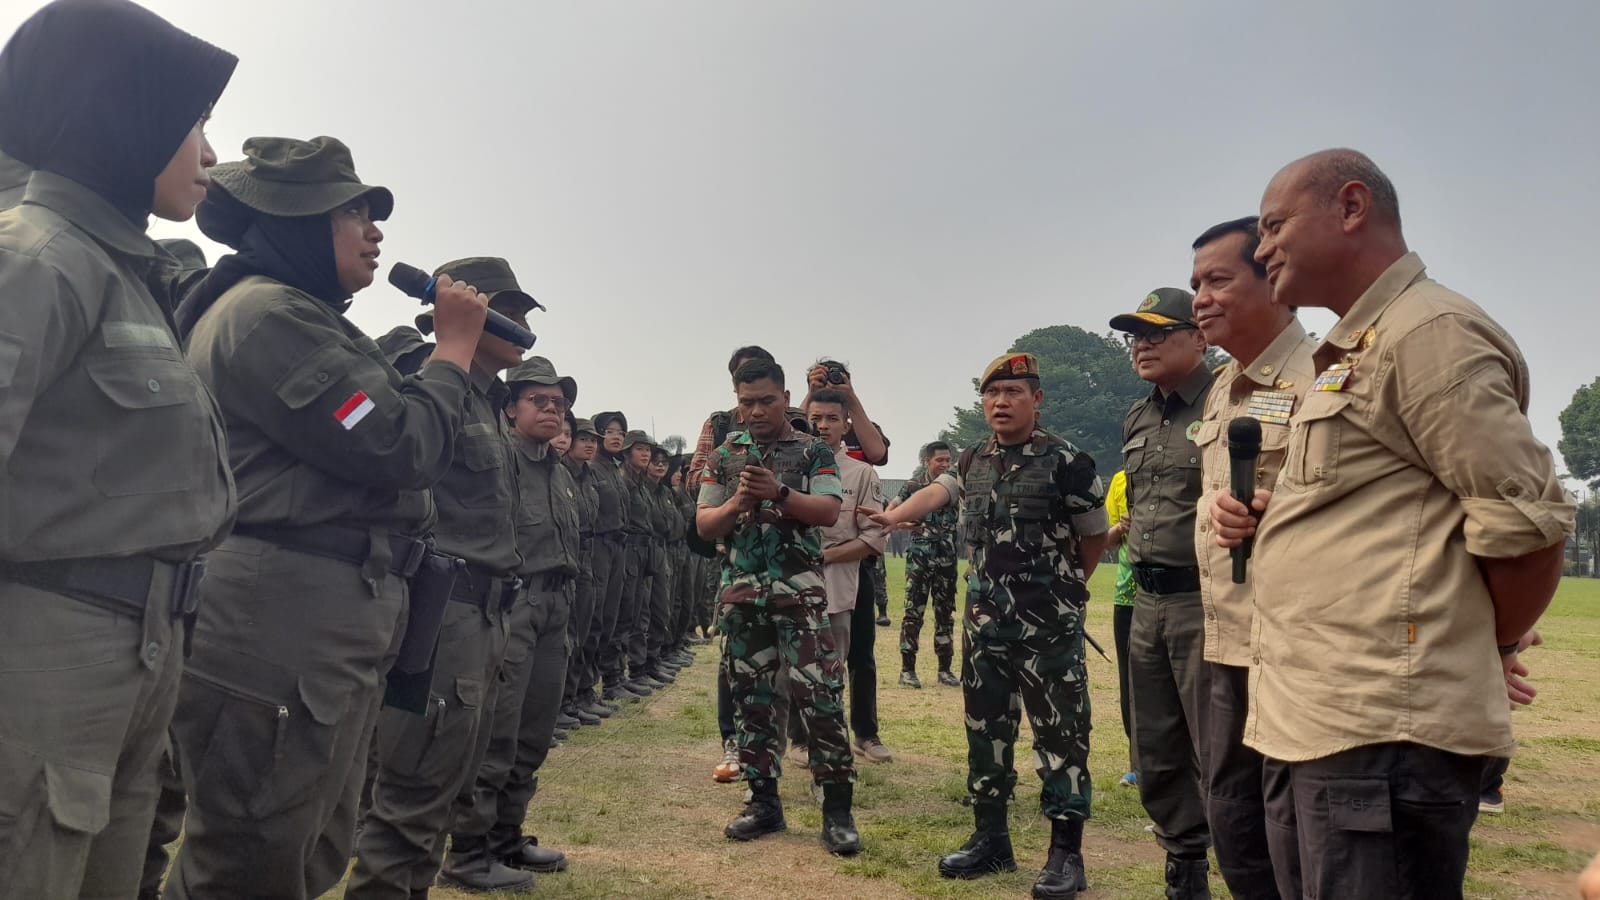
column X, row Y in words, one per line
column 1244, row 445
column 413, row 282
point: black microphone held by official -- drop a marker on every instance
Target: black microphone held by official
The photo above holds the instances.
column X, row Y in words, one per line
column 414, row 282
column 1244, row 445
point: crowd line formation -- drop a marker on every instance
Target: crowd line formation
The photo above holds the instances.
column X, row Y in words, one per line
column 313, row 596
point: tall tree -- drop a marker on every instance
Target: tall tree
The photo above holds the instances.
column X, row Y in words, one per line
column 1580, row 434
column 1088, row 382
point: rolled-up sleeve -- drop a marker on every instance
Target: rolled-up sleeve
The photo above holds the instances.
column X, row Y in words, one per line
column 1468, row 422
column 953, row 486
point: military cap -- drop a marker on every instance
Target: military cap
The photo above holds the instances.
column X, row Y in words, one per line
column 492, row 276
column 584, row 426
column 1011, row 365
column 289, row 178
column 538, row 370
column 603, row 420
column 636, row 437
column 1162, row 308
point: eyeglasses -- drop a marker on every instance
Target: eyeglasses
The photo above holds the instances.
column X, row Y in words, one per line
column 1154, row 338
column 540, row 401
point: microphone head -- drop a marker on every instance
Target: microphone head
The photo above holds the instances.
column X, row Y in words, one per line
column 412, row 281
column 1244, row 438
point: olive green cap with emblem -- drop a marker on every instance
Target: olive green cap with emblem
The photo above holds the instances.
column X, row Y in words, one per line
column 493, row 277
column 538, row 370
column 290, row 178
column 1010, row 365
column 1161, row 308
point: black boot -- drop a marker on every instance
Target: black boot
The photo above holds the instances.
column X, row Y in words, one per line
column 839, row 833
column 762, row 815
column 1186, row 878
column 987, row 851
column 1063, row 875
column 529, row 856
column 470, row 865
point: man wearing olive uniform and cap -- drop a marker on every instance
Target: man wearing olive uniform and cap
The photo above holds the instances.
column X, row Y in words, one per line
column 1167, row 668
column 425, row 761
column 308, row 593
column 113, row 475
column 1033, row 515
column 487, row 834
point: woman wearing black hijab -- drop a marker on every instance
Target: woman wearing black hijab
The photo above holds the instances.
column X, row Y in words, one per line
column 114, row 480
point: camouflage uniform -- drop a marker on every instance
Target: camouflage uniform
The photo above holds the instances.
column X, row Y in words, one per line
column 930, row 571
column 774, row 610
column 1023, row 510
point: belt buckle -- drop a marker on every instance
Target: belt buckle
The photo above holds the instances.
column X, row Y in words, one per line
column 186, row 588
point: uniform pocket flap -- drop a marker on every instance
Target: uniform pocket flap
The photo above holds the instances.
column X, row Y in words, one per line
column 80, row 800
column 482, row 453
column 469, row 691
column 313, row 376
column 1359, row 804
column 325, row 702
column 1209, row 432
column 134, row 382
column 1274, row 436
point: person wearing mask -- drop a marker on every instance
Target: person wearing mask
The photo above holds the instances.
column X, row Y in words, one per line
column 425, row 761
column 115, row 478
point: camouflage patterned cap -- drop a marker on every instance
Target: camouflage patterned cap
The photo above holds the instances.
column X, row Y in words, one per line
column 636, row 437
column 538, row 370
column 1161, row 308
column 1011, row 365
column 288, row 177
column 585, row 426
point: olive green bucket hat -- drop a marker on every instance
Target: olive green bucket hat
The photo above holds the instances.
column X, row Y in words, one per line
column 538, row 370
column 288, row 177
column 492, row 276
column 585, row 426
column 636, row 437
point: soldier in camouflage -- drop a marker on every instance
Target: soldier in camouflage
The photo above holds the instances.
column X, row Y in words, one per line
column 766, row 492
column 930, row 572
column 1033, row 515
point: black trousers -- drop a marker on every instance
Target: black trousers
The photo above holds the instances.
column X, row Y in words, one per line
column 862, row 663
column 1121, row 626
column 1235, row 802
column 1385, row 820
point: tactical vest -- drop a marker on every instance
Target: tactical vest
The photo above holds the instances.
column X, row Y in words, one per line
column 1024, row 500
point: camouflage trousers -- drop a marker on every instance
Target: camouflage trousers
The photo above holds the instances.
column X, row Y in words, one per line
column 760, row 645
column 1040, row 669
column 927, row 577
column 878, row 575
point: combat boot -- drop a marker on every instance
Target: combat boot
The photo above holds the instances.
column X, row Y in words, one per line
column 529, row 856
column 565, row 722
column 908, row 678
column 762, row 815
column 1063, row 876
column 1186, row 878
column 839, row 833
column 473, row 867
column 583, row 716
column 987, row 851
column 948, row 678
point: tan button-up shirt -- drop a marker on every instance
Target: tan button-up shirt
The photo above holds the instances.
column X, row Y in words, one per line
column 1163, row 466
column 1373, row 622
column 1267, row 389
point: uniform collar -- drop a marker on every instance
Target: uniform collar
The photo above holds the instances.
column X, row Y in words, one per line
column 1030, row 447
column 747, row 439
column 1401, row 274
column 537, row 451
column 1190, row 388
column 1267, row 368
column 90, row 212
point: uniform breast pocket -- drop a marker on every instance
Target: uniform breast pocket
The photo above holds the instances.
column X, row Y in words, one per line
column 156, row 429
column 482, row 455
column 1312, row 458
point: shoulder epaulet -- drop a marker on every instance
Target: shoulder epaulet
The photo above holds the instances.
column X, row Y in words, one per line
column 1217, row 372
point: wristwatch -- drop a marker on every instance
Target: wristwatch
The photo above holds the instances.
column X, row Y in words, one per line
column 783, row 493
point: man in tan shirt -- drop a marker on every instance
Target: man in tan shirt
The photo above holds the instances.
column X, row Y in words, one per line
column 1266, row 379
column 1416, row 525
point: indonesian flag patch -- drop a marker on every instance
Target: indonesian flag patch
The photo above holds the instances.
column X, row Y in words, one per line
column 352, row 411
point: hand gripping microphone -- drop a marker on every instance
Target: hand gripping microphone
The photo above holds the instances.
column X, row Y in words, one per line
column 414, row 282
column 1244, row 445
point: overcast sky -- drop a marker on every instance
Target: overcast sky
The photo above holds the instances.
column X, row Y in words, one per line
column 909, row 186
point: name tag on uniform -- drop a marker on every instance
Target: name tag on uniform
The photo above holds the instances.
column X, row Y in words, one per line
column 1270, row 406
column 1334, row 377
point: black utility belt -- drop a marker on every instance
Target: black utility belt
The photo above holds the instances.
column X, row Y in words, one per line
column 1167, row 579
column 478, row 586
column 341, row 542
column 548, row 582
column 123, row 584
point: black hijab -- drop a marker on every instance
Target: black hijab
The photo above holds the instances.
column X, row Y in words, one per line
column 294, row 250
column 104, row 92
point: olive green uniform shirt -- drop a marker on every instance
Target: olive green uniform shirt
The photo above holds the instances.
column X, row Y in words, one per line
column 1267, row 389
column 612, row 512
column 547, row 518
column 586, row 481
column 477, row 497
column 110, row 444
column 1163, row 466
column 321, row 428
column 1373, row 622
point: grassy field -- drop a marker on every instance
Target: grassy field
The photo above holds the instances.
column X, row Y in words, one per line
column 633, row 805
